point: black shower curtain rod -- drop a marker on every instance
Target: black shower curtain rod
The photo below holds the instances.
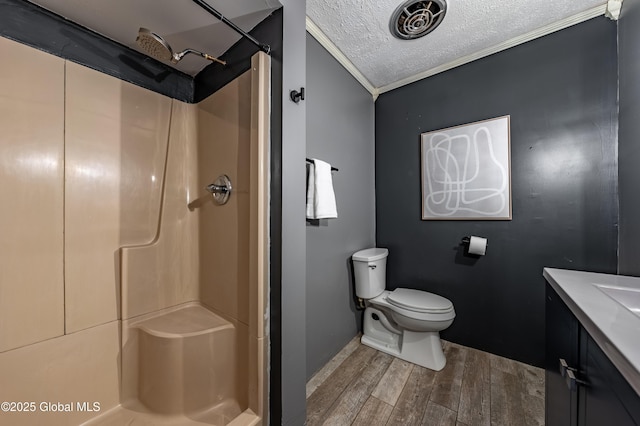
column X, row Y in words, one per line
column 264, row 47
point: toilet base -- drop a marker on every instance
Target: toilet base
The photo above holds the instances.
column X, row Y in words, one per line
column 421, row 348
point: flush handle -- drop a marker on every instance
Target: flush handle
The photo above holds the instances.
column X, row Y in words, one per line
column 372, row 266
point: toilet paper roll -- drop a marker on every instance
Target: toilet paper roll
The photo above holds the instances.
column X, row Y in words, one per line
column 478, row 245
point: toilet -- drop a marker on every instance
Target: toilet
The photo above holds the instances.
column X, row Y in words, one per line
column 404, row 323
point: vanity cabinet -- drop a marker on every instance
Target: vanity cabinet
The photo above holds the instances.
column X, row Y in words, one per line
column 583, row 387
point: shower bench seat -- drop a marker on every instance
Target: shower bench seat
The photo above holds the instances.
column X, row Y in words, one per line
column 186, row 360
column 180, row 367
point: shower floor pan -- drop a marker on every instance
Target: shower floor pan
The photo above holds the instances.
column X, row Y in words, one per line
column 132, row 416
column 181, row 367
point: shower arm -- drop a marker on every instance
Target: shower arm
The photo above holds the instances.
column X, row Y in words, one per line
column 178, row 56
column 264, row 47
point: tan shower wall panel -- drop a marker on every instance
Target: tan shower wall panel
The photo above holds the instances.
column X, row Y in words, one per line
column 77, row 368
column 224, row 148
column 116, row 141
column 165, row 272
column 257, row 376
column 259, row 233
column 259, row 175
column 31, row 190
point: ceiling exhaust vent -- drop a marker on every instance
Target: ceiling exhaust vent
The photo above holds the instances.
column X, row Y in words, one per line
column 414, row 19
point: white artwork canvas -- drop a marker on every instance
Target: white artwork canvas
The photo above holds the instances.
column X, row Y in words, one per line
column 466, row 172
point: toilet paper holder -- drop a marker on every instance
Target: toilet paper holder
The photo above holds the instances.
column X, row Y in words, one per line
column 466, row 240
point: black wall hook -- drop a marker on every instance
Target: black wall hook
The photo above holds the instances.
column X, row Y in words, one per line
column 297, row 96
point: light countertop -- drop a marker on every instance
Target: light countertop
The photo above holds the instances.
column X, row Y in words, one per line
column 615, row 328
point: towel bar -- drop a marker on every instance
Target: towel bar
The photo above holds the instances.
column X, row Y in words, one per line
column 333, row 169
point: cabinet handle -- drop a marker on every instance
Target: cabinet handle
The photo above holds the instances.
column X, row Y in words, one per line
column 569, row 376
column 572, row 382
column 564, row 368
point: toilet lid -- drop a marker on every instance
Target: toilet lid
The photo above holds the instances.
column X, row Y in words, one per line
column 370, row 255
column 419, row 301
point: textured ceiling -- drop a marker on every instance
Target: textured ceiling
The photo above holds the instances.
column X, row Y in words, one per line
column 360, row 30
column 183, row 24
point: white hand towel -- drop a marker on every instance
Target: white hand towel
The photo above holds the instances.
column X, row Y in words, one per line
column 321, row 200
column 311, row 190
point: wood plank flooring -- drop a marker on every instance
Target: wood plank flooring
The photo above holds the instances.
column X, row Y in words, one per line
column 362, row 386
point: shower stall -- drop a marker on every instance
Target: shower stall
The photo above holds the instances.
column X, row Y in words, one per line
column 194, row 298
column 130, row 288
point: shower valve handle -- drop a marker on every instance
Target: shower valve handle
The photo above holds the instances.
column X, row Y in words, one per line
column 220, row 189
column 217, row 189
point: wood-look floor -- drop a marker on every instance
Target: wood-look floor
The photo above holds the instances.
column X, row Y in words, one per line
column 362, row 386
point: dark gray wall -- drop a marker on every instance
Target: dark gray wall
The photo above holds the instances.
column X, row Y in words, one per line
column 275, row 225
column 560, row 91
column 292, row 291
column 340, row 130
column 629, row 138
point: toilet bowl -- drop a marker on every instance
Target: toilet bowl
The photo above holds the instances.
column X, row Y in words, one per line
column 405, row 323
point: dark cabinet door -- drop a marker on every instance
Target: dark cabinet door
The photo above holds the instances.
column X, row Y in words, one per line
column 562, row 343
column 606, row 398
column 598, row 395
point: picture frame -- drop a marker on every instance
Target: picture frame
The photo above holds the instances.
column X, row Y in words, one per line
column 466, row 171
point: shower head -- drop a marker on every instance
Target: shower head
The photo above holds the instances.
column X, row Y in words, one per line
column 156, row 47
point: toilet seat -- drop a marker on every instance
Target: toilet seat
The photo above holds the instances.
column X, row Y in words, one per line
column 421, row 313
column 419, row 301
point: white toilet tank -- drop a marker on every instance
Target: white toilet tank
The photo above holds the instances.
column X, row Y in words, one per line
column 370, row 269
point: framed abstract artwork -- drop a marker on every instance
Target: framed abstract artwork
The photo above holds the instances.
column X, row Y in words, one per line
column 466, row 173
